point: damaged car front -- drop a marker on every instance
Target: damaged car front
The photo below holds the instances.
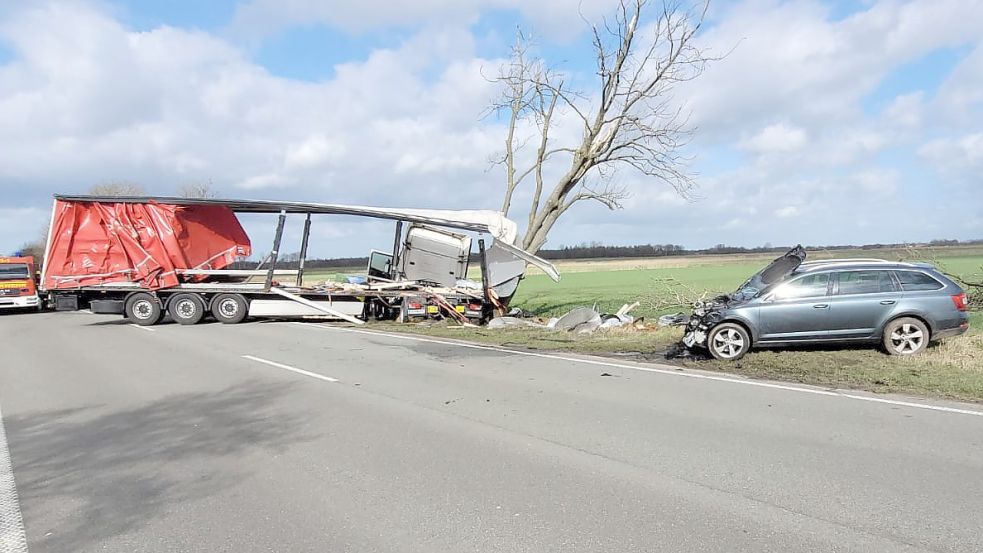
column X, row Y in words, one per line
column 722, row 325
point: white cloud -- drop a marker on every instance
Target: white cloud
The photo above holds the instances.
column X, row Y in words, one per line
column 315, row 151
column 557, row 19
column 956, row 154
column 793, row 59
column 787, row 211
column 87, row 100
column 777, row 138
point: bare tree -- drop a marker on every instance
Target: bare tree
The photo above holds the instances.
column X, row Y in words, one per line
column 117, row 188
column 197, row 190
column 630, row 122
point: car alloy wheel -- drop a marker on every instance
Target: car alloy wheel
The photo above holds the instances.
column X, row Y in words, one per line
column 905, row 336
column 728, row 342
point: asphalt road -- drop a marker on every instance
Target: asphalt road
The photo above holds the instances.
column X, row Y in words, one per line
column 303, row 437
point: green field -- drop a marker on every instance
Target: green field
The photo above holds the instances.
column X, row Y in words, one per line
column 953, row 369
column 612, row 287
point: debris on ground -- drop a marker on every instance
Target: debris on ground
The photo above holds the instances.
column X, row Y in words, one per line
column 680, row 351
column 519, row 312
column 675, row 319
column 580, row 319
column 507, row 321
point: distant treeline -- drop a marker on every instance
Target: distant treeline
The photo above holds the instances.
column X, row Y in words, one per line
column 596, row 250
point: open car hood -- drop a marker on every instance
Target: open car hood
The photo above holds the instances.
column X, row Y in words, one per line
column 775, row 271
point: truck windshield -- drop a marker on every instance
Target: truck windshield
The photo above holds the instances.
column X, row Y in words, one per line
column 13, row 271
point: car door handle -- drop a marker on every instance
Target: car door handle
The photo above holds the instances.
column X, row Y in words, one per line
column 888, row 302
column 821, row 306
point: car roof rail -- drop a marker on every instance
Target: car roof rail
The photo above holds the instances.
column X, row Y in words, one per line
column 849, row 260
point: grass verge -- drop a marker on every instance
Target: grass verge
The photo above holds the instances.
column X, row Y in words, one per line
column 952, row 369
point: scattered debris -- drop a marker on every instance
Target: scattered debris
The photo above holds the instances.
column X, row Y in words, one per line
column 519, row 312
column 680, row 351
column 676, row 319
column 504, row 322
column 580, row 320
column 577, row 317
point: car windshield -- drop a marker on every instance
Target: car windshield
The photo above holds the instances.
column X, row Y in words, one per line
column 13, row 271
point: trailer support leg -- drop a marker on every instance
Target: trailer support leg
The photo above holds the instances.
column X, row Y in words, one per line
column 393, row 263
column 485, row 292
column 276, row 249
column 303, row 250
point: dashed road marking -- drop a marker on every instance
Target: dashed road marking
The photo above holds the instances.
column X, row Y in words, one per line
column 12, row 537
column 147, row 328
column 289, row 368
column 667, row 371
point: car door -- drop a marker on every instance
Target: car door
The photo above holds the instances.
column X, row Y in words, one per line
column 796, row 310
column 861, row 302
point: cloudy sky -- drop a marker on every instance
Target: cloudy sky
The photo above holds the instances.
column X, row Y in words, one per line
column 827, row 123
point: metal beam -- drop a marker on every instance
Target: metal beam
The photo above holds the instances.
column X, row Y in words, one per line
column 312, row 305
column 303, row 250
column 276, row 249
column 484, row 271
column 394, row 262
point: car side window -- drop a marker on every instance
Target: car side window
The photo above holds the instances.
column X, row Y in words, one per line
column 864, row 282
column 809, row 286
column 914, row 280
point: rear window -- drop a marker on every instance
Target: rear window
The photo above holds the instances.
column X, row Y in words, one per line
column 13, row 271
column 913, row 280
column 865, row 282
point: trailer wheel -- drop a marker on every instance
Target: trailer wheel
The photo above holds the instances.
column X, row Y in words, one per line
column 230, row 308
column 143, row 309
column 186, row 309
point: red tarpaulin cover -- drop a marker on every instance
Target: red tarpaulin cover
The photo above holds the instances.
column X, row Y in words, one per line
column 101, row 242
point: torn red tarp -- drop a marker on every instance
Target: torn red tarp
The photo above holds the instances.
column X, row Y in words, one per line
column 99, row 243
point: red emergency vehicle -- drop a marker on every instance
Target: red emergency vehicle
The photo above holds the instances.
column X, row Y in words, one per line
column 18, row 288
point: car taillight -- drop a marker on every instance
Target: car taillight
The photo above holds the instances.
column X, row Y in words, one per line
column 960, row 301
column 474, row 306
column 416, row 306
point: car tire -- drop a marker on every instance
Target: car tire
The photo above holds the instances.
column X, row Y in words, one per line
column 905, row 336
column 230, row 308
column 186, row 309
column 143, row 309
column 728, row 342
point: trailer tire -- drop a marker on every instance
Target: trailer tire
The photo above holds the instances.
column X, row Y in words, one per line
column 230, row 308
column 186, row 309
column 143, row 309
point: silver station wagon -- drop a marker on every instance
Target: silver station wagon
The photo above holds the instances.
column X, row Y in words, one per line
column 900, row 306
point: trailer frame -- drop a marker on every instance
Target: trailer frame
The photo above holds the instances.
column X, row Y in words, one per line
column 189, row 302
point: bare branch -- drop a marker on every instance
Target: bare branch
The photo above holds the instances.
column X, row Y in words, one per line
column 632, row 120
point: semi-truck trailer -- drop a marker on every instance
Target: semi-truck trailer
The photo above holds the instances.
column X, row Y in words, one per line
column 147, row 257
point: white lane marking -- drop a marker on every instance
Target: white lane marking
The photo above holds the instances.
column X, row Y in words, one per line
column 86, row 311
column 147, row 328
column 670, row 372
column 12, row 537
column 289, row 368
